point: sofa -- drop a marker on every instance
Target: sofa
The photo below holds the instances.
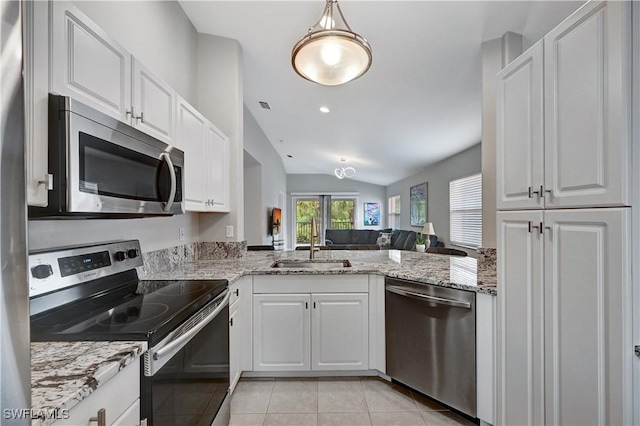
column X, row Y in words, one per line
column 367, row 239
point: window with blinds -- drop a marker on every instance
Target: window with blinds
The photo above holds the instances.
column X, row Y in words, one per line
column 394, row 212
column 465, row 211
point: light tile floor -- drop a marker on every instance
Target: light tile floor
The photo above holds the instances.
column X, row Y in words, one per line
column 334, row 401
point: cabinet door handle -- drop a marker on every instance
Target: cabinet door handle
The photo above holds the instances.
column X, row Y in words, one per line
column 306, row 305
column 538, row 193
column 47, row 182
column 101, row 417
column 539, row 227
column 237, row 292
column 314, row 305
column 131, row 112
column 140, row 117
column 230, row 322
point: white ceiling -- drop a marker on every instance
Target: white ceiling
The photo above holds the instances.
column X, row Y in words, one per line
column 419, row 103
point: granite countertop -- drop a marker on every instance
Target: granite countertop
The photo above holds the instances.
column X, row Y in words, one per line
column 446, row 271
column 65, row 373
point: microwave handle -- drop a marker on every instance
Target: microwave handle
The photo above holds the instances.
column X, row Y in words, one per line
column 172, row 173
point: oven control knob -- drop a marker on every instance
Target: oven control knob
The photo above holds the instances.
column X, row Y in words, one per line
column 41, row 271
column 132, row 253
column 120, row 256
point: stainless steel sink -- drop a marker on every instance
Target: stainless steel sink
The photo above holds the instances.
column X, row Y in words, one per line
column 311, row 264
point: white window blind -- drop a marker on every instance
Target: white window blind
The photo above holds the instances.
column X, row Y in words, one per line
column 465, row 211
column 394, row 212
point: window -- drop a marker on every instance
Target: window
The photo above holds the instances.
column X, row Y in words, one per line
column 394, row 212
column 465, row 211
column 340, row 215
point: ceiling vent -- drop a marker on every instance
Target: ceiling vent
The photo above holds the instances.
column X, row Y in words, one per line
column 264, row 105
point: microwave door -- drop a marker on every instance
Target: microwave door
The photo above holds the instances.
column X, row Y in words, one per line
column 111, row 172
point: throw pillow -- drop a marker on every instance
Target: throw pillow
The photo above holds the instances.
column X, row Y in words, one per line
column 384, row 240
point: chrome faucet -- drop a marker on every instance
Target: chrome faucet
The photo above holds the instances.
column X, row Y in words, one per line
column 314, row 235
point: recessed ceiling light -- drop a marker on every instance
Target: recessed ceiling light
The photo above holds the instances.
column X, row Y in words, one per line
column 325, row 109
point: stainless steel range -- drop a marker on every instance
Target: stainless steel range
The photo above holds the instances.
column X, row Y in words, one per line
column 93, row 293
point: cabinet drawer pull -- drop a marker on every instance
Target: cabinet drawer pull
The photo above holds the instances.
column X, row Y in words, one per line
column 101, row 417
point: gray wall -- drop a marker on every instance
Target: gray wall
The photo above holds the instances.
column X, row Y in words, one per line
column 437, row 176
column 265, row 180
column 141, row 28
column 220, row 92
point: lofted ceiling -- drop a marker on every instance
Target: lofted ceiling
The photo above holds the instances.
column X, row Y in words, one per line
column 419, row 103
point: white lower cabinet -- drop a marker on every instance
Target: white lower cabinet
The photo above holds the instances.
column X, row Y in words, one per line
column 119, row 397
column 339, row 332
column 235, row 347
column 281, row 332
column 564, row 317
column 240, row 345
column 324, row 325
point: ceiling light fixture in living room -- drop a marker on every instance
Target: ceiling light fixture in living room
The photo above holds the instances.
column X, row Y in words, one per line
column 345, row 172
column 331, row 53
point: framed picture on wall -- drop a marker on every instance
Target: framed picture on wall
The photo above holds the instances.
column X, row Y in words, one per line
column 371, row 214
column 418, row 204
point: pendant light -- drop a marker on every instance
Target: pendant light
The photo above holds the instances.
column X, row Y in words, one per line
column 344, row 172
column 331, row 53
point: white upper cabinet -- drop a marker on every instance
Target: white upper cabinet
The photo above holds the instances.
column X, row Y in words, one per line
column 206, row 159
column 520, row 143
column 36, row 88
column 88, row 65
column 190, row 137
column 154, row 103
column 217, row 165
column 587, row 104
column 583, row 68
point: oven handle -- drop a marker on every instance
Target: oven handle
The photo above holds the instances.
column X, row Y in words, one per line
column 172, row 173
column 195, row 330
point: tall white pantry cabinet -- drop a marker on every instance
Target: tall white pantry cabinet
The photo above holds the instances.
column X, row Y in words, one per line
column 564, row 323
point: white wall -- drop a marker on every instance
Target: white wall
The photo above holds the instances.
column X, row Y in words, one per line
column 161, row 36
column 220, row 94
column 437, row 176
column 272, row 179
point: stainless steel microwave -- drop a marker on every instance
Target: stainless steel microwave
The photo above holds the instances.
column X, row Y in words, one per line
column 102, row 167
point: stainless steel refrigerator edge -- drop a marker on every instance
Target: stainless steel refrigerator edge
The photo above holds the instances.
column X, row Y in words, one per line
column 15, row 357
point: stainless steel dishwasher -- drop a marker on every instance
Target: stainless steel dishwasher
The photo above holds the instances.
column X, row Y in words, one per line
column 431, row 341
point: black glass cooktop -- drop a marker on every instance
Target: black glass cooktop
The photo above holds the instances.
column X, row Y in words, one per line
column 139, row 310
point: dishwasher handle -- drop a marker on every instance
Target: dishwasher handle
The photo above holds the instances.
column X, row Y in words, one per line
column 433, row 299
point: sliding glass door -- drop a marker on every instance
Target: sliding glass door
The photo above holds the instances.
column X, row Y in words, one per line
column 330, row 213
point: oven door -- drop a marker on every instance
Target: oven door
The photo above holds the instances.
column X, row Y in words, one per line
column 186, row 377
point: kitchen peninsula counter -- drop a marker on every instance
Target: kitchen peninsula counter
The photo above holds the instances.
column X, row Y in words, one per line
column 441, row 270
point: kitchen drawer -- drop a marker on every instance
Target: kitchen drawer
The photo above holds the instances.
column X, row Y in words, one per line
column 265, row 284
